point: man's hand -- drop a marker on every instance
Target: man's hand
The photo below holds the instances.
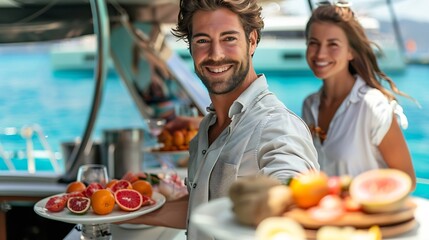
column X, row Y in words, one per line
column 182, row 122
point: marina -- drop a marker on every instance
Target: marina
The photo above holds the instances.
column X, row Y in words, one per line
column 54, row 110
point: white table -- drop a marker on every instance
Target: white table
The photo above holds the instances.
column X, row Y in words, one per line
column 216, row 218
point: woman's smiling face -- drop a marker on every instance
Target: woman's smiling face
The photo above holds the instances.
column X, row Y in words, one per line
column 328, row 51
column 220, row 50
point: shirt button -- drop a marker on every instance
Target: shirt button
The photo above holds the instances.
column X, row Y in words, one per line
column 204, row 151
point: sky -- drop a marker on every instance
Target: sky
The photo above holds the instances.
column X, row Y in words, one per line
column 404, row 9
column 412, row 9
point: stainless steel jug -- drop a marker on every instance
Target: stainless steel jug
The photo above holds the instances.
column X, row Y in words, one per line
column 122, row 151
column 90, row 155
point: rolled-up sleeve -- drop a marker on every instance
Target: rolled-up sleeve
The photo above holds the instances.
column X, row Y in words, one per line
column 286, row 147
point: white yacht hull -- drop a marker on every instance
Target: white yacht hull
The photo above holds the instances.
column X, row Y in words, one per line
column 271, row 55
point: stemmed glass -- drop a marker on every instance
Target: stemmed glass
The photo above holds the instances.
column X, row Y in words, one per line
column 88, row 174
column 156, row 125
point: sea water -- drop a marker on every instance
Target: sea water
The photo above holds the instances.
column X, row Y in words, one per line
column 32, row 93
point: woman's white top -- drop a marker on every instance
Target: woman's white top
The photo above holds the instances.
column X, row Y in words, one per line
column 357, row 128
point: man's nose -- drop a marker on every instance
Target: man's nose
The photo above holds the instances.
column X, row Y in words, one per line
column 216, row 51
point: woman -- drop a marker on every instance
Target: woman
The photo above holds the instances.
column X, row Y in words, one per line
column 352, row 116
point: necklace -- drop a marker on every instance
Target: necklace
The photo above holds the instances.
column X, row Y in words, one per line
column 318, row 132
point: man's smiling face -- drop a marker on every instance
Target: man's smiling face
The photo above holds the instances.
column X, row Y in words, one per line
column 220, row 50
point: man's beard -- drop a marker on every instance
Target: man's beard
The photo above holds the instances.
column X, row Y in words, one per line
column 231, row 84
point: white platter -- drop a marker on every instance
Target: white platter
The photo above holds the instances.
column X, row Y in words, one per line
column 217, row 219
column 91, row 218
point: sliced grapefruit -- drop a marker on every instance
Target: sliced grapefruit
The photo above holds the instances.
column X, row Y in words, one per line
column 91, row 189
column 381, row 190
column 73, row 194
column 128, row 199
column 121, row 184
column 78, row 205
column 56, row 203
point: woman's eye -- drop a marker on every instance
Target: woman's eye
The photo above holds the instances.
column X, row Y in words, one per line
column 312, row 43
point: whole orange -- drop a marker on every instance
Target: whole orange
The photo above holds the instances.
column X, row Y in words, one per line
column 102, row 202
column 307, row 189
column 165, row 136
column 143, row 187
column 75, row 186
column 178, row 138
column 190, row 135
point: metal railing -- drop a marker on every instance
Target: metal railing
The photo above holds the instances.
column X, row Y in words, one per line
column 27, row 132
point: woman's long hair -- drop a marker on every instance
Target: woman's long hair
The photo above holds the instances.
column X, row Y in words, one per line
column 365, row 61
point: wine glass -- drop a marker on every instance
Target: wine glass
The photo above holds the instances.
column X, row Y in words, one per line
column 156, row 125
column 90, row 173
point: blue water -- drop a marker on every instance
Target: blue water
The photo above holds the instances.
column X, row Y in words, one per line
column 32, row 93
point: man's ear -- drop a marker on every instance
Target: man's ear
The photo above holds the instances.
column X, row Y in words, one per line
column 253, row 41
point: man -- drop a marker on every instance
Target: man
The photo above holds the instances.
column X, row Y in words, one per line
column 247, row 131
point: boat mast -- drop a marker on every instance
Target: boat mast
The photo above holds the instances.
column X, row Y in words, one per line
column 396, row 28
column 310, row 5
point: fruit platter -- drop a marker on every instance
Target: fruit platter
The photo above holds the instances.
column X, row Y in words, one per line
column 92, row 218
column 118, row 200
column 371, row 206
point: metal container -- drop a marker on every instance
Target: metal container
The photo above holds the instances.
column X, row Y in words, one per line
column 92, row 156
column 122, row 151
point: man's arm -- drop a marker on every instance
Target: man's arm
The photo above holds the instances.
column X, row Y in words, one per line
column 183, row 122
column 172, row 214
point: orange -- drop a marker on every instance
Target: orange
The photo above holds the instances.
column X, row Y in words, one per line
column 75, row 186
column 102, row 202
column 307, row 189
column 111, row 183
column 189, row 135
column 178, row 138
column 143, row 187
column 165, row 136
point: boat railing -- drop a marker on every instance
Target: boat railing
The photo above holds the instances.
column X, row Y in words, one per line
column 27, row 133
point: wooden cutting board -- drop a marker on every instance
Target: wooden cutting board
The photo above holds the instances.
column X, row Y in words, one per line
column 386, row 231
column 356, row 219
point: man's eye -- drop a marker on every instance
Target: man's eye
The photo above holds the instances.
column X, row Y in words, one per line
column 201, row 41
column 230, row 39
